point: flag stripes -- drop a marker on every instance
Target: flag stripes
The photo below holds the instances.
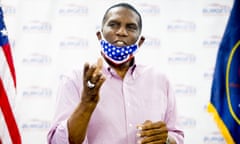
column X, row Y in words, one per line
column 7, row 84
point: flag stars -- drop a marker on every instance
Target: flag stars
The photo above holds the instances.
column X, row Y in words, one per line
column 4, row 32
column 117, row 53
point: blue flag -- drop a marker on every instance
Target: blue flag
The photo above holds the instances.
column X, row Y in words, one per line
column 225, row 93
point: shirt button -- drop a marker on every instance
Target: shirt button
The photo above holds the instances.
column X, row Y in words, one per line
column 130, row 125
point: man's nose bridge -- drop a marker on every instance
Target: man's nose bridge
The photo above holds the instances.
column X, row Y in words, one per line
column 122, row 30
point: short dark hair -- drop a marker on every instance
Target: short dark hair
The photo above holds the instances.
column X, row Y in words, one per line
column 125, row 5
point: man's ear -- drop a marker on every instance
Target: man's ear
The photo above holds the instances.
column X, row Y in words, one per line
column 99, row 36
column 141, row 41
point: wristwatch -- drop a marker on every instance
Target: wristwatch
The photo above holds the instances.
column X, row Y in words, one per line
column 167, row 141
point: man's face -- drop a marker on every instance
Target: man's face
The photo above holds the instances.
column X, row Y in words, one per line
column 121, row 27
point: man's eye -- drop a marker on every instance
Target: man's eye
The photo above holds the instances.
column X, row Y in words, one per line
column 112, row 24
column 132, row 27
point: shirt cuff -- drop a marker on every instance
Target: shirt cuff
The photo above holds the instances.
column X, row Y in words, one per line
column 60, row 135
column 178, row 138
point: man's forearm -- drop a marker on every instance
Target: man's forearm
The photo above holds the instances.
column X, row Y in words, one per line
column 78, row 122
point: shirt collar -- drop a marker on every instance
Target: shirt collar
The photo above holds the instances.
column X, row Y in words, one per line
column 110, row 72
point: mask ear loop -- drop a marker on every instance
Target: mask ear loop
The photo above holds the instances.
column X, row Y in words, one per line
column 99, row 36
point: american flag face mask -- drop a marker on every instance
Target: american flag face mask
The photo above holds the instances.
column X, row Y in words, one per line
column 118, row 55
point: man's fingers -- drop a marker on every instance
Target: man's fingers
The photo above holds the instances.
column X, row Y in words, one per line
column 151, row 125
column 99, row 66
column 145, row 125
column 98, row 73
column 100, row 81
column 90, row 72
column 85, row 70
column 147, row 122
column 93, row 73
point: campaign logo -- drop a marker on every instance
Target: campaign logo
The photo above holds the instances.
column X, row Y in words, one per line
column 152, row 42
column 216, row 9
column 9, row 10
column 185, row 90
column 37, row 26
column 36, row 124
column 37, row 59
column 149, row 9
column 213, row 138
column 73, row 9
column 181, row 26
column 212, row 41
column 181, row 58
column 73, row 43
column 208, row 74
column 187, row 122
column 37, row 91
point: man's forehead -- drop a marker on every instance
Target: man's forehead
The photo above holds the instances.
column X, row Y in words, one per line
column 117, row 12
column 121, row 9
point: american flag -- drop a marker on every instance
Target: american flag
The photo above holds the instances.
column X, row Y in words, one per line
column 7, row 85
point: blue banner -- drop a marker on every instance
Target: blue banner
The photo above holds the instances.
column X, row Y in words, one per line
column 225, row 92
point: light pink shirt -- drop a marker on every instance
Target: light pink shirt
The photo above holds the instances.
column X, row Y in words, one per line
column 144, row 94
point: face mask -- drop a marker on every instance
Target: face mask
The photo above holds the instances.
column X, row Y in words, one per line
column 117, row 55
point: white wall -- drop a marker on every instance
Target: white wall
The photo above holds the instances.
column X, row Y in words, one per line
column 50, row 37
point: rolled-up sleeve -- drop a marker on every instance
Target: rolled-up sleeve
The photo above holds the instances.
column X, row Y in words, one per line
column 58, row 134
column 172, row 116
column 68, row 97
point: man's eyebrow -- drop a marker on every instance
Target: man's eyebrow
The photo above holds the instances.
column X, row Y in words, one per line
column 132, row 24
column 115, row 21
column 118, row 22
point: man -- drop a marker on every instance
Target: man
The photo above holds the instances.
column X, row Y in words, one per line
column 118, row 102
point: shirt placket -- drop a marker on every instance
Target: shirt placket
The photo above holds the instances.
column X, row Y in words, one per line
column 130, row 126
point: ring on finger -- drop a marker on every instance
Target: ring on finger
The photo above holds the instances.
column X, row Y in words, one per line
column 90, row 84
